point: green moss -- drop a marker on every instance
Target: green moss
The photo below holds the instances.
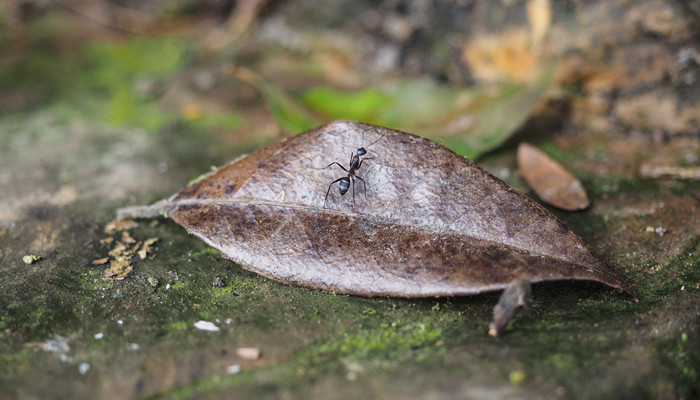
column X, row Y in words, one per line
column 235, row 286
column 178, row 326
column 560, row 155
column 388, row 340
column 681, row 354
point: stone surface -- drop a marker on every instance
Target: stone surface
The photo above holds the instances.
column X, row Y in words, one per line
column 66, row 165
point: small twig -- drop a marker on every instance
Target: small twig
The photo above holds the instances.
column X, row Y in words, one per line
column 667, row 171
column 517, row 296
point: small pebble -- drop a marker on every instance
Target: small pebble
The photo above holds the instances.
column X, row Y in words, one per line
column 83, row 368
column 217, row 282
column 133, row 347
column 233, row 369
column 30, row 259
column 120, row 322
column 248, row 353
column 659, row 230
column 517, row 377
column 153, row 281
column 206, row 326
column 99, row 335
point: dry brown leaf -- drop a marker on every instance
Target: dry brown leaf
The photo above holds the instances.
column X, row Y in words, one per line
column 553, row 183
column 430, row 223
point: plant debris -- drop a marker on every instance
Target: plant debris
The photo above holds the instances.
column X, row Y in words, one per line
column 100, row 261
column 119, row 225
column 30, row 259
column 122, row 254
column 146, row 247
column 517, row 296
column 553, row 183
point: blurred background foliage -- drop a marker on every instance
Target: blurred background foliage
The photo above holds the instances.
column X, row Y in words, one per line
column 469, row 74
column 239, row 72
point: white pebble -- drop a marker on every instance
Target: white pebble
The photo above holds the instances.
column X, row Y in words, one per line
column 99, row 335
column 248, row 353
column 120, row 322
column 83, row 368
column 206, row 326
column 233, row 369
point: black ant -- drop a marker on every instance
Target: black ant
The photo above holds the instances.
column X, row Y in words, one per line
column 355, row 164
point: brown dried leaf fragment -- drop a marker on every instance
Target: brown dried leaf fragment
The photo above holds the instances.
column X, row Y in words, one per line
column 100, row 261
column 118, row 270
column 146, row 247
column 429, row 223
column 120, row 266
column 119, row 225
column 553, row 183
column 126, row 238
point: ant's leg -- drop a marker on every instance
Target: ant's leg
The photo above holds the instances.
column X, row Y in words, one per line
column 352, row 178
column 329, row 190
column 364, row 184
column 363, row 159
column 352, row 155
column 336, row 163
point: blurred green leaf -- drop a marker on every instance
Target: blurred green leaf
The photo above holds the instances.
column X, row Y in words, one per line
column 499, row 117
column 128, row 72
column 290, row 115
column 363, row 105
column 420, row 103
column 214, row 120
column 115, row 65
column 470, row 122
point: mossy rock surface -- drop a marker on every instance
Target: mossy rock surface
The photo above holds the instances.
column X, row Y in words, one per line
column 72, row 152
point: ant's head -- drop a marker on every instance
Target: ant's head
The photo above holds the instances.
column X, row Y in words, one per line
column 362, row 151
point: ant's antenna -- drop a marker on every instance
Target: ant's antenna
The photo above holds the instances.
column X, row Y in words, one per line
column 380, row 138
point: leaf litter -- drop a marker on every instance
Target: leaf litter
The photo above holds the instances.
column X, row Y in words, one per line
column 426, row 222
column 121, row 255
column 553, row 183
